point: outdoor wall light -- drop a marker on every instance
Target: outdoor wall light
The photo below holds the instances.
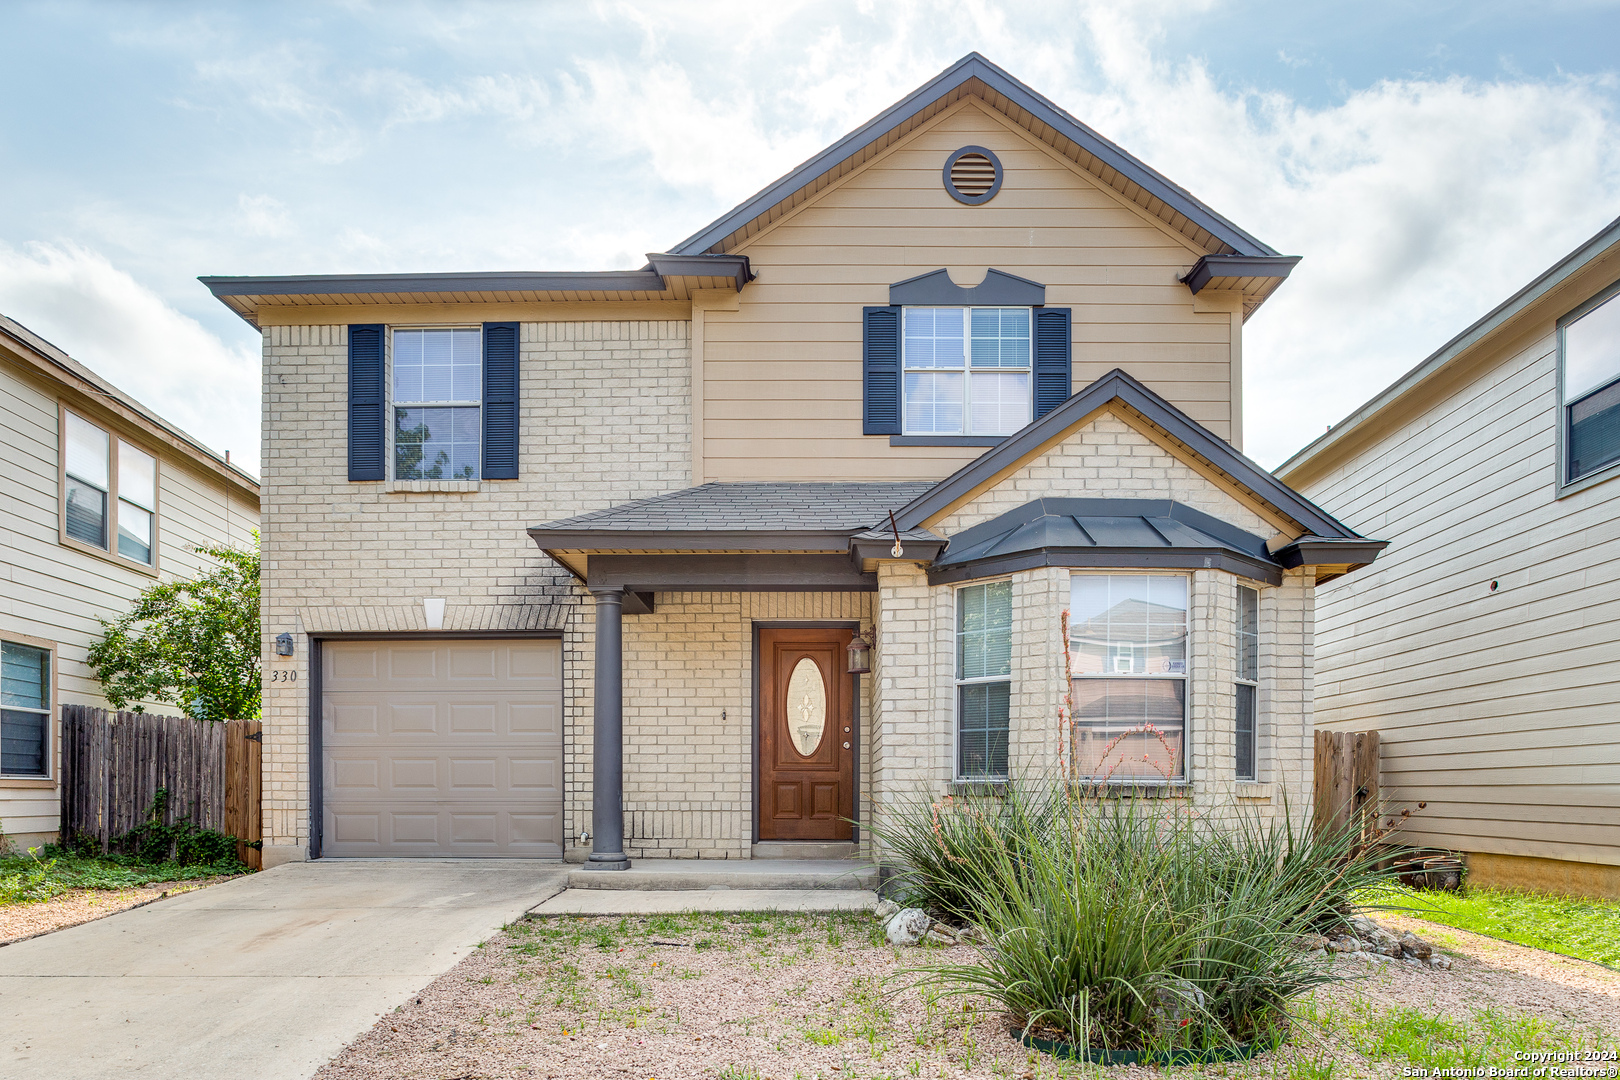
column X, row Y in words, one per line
column 284, row 645
column 860, row 654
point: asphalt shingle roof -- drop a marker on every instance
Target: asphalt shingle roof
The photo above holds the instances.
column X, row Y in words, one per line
column 763, row 506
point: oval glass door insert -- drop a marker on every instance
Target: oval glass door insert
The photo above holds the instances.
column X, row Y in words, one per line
column 806, row 706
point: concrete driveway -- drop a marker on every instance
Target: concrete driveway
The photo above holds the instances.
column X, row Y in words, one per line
column 266, row 976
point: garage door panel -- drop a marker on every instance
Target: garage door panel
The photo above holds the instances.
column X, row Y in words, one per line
column 435, row 749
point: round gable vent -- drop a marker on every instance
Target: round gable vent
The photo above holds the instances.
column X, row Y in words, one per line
column 973, row 175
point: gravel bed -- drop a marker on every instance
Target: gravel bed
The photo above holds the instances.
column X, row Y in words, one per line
column 738, row 997
column 20, row 921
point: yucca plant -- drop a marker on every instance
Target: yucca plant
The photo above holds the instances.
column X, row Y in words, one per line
column 1126, row 923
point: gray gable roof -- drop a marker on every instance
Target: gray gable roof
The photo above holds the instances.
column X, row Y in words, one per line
column 1144, row 533
column 1117, row 385
column 974, row 73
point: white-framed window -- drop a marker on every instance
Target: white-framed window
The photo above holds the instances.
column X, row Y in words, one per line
column 967, row 370
column 438, row 397
column 25, row 710
column 1589, row 375
column 983, row 679
column 1248, row 681
column 109, row 492
column 1128, row 658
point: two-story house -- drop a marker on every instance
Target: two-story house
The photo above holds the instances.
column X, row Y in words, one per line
column 102, row 498
column 718, row 557
column 1484, row 648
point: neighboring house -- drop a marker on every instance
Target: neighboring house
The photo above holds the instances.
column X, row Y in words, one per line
column 102, row 498
column 563, row 554
column 1484, row 646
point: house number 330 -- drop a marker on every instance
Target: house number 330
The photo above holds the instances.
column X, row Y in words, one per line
column 283, row 675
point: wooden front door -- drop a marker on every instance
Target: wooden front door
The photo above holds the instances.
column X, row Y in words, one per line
column 806, row 732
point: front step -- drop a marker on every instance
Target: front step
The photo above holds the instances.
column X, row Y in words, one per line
column 698, row 874
column 804, row 849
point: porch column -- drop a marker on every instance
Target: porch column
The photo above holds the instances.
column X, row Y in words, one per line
column 607, row 765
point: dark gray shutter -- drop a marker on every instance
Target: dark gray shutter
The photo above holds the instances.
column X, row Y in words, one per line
column 880, row 368
column 367, row 434
column 1053, row 349
column 500, row 401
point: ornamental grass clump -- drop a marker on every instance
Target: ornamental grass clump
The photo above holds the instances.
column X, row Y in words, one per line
column 1129, row 923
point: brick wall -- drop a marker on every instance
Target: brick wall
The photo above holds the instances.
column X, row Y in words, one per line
column 605, row 419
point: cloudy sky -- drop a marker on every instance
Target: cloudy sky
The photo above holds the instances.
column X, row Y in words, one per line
column 1425, row 159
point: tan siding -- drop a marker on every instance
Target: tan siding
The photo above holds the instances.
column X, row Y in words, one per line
column 792, row 352
column 1498, row 709
column 59, row 594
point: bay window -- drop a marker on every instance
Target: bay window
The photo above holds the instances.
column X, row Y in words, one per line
column 1128, row 657
column 1248, row 679
column 983, row 679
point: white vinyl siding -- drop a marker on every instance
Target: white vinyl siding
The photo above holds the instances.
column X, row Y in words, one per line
column 1497, row 708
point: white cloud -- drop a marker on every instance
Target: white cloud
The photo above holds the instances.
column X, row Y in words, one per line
column 99, row 315
column 262, row 215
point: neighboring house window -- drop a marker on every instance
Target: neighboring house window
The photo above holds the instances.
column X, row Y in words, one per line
column 1589, row 349
column 1248, row 678
column 983, row 679
column 109, row 497
column 966, row 370
column 438, row 404
column 25, row 710
column 1128, row 651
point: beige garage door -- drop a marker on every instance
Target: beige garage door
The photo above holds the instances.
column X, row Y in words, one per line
column 442, row 748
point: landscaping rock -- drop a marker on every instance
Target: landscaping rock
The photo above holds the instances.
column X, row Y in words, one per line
column 938, row 935
column 884, row 909
column 1440, row 963
column 1415, row 947
column 1176, row 1003
column 1363, row 926
column 968, row 935
column 1313, row 943
column 907, row 927
column 1344, row 944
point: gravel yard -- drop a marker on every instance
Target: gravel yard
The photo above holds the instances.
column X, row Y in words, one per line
column 749, row 997
column 18, row 921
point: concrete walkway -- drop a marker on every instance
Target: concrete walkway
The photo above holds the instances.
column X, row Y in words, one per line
column 262, row 978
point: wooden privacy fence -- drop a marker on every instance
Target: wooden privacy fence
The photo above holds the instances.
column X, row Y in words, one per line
column 1346, row 780
column 114, row 762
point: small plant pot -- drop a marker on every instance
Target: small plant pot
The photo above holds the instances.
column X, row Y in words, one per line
column 1068, row 1051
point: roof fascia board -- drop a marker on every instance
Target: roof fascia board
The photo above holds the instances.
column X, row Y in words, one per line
column 971, row 67
column 384, row 284
column 53, row 364
column 1119, row 386
column 1211, row 267
column 736, row 267
column 1507, row 311
column 751, row 572
column 1212, row 558
column 689, row 540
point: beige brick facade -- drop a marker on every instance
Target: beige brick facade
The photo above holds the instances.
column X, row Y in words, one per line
column 605, row 417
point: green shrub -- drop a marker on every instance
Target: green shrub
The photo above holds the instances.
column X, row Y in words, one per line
column 182, row 842
column 1129, row 923
column 29, row 881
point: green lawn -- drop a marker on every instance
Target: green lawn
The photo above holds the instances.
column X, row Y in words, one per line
column 25, row 878
column 1585, row 929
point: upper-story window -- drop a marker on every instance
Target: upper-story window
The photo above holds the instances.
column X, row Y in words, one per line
column 438, row 403
column 966, row 370
column 1589, row 351
column 109, row 492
